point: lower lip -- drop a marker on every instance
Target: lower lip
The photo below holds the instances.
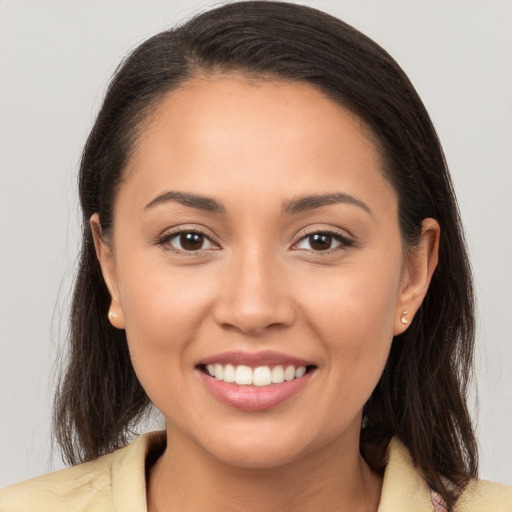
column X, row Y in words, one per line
column 254, row 398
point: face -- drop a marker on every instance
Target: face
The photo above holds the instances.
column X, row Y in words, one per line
column 256, row 240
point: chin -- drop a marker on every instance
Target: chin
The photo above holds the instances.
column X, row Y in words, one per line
column 256, row 455
column 263, row 446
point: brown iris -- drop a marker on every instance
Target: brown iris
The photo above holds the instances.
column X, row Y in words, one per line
column 320, row 241
column 191, row 241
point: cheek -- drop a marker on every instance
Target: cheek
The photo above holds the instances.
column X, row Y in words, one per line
column 157, row 298
column 163, row 311
column 353, row 315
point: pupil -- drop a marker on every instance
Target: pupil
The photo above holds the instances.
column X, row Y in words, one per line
column 320, row 242
column 191, row 241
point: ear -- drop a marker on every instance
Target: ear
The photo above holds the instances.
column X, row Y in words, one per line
column 107, row 262
column 418, row 270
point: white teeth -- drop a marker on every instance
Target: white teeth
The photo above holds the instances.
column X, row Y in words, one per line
column 289, row 373
column 277, row 375
column 243, row 375
column 259, row 376
column 229, row 373
column 300, row 371
column 219, row 371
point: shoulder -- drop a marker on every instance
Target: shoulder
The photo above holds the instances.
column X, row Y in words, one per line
column 104, row 484
column 87, row 484
column 484, row 495
column 405, row 489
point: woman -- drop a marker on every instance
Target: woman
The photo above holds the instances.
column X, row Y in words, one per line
column 272, row 256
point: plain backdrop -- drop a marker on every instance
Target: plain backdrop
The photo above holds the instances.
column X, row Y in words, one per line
column 56, row 58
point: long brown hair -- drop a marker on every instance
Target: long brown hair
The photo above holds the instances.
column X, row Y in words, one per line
column 421, row 396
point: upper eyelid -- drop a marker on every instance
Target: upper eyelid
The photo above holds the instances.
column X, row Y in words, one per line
column 331, row 230
column 169, row 234
column 215, row 239
column 346, row 241
column 177, row 230
column 342, row 240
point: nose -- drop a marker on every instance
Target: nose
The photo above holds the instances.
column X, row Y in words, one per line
column 254, row 295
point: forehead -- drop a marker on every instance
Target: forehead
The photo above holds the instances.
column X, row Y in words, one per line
column 230, row 132
column 248, row 103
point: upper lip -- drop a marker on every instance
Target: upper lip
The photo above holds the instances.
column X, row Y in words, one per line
column 254, row 359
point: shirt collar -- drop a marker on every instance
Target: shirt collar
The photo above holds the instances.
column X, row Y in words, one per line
column 403, row 488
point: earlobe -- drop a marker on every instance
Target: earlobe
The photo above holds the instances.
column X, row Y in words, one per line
column 107, row 264
column 420, row 266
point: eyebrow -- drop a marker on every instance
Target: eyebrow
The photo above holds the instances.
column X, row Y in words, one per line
column 304, row 204
column 186, row 199
column 299, row 205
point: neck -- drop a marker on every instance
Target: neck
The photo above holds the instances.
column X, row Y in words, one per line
column 185, row 478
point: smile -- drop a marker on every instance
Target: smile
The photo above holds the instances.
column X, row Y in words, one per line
column 259, row 376
column 254, row 382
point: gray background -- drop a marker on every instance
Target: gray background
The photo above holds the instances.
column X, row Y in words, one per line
column 55, row 60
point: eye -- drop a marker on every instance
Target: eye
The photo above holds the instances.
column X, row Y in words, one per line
column 322, row 242
column 189, row 241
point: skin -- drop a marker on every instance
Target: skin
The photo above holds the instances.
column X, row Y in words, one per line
column 256, row 284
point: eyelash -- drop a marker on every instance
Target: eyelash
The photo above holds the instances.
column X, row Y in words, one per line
column 165, row 240
column 343, row 241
